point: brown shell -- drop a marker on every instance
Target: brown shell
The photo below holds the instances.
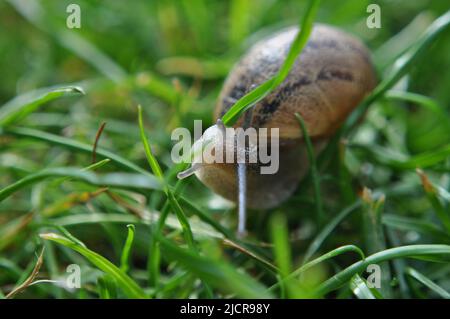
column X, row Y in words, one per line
column 328, row 80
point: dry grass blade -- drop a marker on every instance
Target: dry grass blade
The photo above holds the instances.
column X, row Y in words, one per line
column 250, row 254
column 97, row 138
column 30, row 278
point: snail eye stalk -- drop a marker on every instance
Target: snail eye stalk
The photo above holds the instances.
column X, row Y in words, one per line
column 190, row 171
column 242, row 182
column 242, row 198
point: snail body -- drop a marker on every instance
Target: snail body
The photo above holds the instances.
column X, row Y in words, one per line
column 327, row 81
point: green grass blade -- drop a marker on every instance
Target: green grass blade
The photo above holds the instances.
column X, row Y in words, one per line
column 389, row 157
column 28, row 281
column 76, row 174
column 401, row 66
column 314, row 171
column 22, row 105
column 198, row 14
column 428, row 283
column 205, row 217
column 300, row 41
column 200, row 229
column 282, row 252
column 154, row 165
column 239, row 17
column 107, row 287
column 219, row 274
column 46, row 173
column 13, row 228
column 432, row 195
column 372, row 214
column 125, row 257
column 281, row 248
column 158, row 87
column 398, row 252
column 251, row 98
column 78, row 146
column 331, row 254
column 360, row 288
column 128, row 285
column 91, row 167
column 327, row 230
column 416, row 225
column 241, row 247
column 419, row 99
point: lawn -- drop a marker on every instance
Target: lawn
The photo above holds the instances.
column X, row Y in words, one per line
column 90, row 202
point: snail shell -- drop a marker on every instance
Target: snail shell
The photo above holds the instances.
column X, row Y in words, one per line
column 327, row 81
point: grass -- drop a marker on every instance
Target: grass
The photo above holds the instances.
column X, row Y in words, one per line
column 378, row 194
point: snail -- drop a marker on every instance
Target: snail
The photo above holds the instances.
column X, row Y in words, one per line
column 328, row 80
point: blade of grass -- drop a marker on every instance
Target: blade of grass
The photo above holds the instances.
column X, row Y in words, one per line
column 345, row 177
column 107, row 287
column 314, row 172
column 22, row 105
column 199, row 17
column 30, row 278
column 399, row 265
column 206, row 217
column 78, row 146
column 251, row 98
column 385, row 54
column 125, row 258
column 432, row 195
column 154, row 165
column 12, row 229
column 239, row 20
column 411, row 251
column 401, row 66
column 419, row 99
column 416, row 225
column 331, row 254
column 66, row 203
column 200, row 229
column 373, row 231
column 428, row 283
column 396, row 160
column 73, row 173
column 360, row 288
column 128, row 285
column 251, row 254
column 280, row 238
column 282, row 252
column 91, row 167
column 328, row 229
column 156, row 86
column 9, row 266
column 219, row 274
